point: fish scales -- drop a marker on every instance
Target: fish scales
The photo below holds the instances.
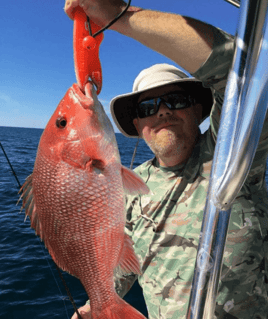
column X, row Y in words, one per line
column 77, row 203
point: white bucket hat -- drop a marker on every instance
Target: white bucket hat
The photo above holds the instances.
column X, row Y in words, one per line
column 123, row 107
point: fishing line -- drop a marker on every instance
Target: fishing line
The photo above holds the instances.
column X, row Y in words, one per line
column 55, row 279
column 68, row 293
column 134, row 153
column 61, row 277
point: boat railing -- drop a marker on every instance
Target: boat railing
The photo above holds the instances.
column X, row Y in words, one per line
column 242, row 118
column 234, row 2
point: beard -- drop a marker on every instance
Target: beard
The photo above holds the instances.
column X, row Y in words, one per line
column 172, row 138
column 168, row 143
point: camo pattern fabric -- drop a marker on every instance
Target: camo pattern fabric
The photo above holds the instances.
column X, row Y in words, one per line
column 165, row 226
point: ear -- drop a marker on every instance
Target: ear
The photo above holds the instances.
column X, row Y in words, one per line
column 135, row 122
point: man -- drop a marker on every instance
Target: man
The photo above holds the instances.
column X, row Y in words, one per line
column 165, row 109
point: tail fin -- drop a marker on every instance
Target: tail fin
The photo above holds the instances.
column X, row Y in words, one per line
column 119, row 310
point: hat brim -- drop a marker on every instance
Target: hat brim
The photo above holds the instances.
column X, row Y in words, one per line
column 123, row 106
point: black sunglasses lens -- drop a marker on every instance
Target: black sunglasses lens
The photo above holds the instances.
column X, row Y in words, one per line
column 173, row 101
column 177, row 101
column 147, row 108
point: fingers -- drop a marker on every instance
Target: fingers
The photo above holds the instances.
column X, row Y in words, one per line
column 84, row 312
column 69, row 7
column 86, row 5
column 100, row 11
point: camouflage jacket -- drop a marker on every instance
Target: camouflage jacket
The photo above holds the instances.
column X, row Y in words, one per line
column 165, row 226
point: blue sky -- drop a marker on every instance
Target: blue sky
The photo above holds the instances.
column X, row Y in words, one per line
column 36, row 54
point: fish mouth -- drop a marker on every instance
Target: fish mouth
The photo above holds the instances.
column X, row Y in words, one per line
column 84, row 99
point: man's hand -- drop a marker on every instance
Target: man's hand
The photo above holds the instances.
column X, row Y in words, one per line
column 69, row 7
column 100, row 11
column 84, row 312
column 186, row 41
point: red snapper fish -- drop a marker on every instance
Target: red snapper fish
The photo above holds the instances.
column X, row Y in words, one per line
column 75, row 200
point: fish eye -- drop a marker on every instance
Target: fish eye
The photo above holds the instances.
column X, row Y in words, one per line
column 61, row 122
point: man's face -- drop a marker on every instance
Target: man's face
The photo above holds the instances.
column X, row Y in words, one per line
column 169, row 133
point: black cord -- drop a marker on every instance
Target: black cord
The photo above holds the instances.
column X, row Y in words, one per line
column 68, row 292
column 134, row 153
column 113, row 21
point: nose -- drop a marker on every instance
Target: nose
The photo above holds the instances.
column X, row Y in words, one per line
column 163, row 110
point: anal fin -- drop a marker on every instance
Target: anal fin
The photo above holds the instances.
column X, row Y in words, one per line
column 128, row 261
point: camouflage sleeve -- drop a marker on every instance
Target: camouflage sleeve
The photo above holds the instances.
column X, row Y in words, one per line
column 214, row 72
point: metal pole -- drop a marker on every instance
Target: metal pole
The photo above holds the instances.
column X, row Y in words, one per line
column 234, row 2
column 242, row 120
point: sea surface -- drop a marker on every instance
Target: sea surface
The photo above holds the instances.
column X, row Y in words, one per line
column 30, row 286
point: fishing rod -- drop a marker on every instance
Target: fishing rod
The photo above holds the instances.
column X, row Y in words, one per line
column 10, row 165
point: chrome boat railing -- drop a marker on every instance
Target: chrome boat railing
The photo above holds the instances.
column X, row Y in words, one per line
column 234, row 2
column 242, row 119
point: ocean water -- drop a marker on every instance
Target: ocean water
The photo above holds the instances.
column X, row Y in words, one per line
column 30, row 286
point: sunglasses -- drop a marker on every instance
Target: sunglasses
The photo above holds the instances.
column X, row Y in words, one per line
column 174, row 101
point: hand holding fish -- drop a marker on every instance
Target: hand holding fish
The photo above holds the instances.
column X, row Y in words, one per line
column 84, row 312
column 101, row 12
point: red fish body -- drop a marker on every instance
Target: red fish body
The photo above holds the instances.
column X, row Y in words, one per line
column 75, row 200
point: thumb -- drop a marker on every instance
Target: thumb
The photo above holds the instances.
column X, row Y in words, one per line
column 69, row 7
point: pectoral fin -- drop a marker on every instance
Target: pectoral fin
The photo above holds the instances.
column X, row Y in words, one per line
column 132, row 183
